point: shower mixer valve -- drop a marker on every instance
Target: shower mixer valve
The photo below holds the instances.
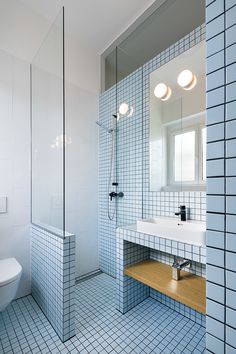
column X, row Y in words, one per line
column 115, row 195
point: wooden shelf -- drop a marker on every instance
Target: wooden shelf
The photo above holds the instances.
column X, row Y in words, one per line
column 189, row 290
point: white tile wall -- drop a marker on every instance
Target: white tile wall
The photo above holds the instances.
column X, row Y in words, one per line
column 15, row 164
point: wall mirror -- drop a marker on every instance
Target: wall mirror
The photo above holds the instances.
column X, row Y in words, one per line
column 177, row 123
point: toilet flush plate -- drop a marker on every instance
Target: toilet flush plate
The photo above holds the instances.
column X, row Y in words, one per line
column 3, row 204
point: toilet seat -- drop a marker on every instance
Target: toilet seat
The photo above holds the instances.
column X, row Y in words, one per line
column 10, row 270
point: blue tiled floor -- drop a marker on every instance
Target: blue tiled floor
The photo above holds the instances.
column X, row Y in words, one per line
column 148, row 328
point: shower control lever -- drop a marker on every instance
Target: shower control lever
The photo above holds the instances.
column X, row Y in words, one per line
column 115, row 195
column 112, row 195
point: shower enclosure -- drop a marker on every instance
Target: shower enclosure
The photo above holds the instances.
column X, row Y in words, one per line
column 48, row 131
column 53, row 249
column 121, row 156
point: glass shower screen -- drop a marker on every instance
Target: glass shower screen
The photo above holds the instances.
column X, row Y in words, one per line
column 48, row 131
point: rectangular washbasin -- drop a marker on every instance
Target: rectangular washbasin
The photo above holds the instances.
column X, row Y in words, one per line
column 190, row 231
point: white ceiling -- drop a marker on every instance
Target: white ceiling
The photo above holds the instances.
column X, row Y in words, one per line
column 95, row 23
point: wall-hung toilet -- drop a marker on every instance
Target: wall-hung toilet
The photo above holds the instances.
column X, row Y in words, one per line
column 10, row 274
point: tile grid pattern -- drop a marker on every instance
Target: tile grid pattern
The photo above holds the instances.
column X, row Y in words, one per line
column 133, row 247
column 180, row 249
column 196, row 267
column 221, row 172
column 106, row 227
column 129, row 155
column 132, row 157
column 166, row 203
column 150, row 327
column 53, row 279
column 130, row 292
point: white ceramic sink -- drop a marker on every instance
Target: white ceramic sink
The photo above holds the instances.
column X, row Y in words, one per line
column 190, row 231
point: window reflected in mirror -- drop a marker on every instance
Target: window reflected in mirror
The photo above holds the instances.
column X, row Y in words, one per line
column 177, row 123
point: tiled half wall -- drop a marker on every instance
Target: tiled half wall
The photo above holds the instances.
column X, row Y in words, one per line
column 53, row 279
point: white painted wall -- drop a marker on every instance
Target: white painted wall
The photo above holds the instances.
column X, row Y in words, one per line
column 15, row 163
column 22, row 30
column 47, row 158
column 82, row 176
column 82, row 90
column 81, row 161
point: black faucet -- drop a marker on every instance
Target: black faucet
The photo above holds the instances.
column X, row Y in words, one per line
column 182, row 212
column 115, row 195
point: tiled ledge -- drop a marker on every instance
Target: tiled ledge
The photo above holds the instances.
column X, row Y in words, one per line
column 183, row 250
column 51, row 230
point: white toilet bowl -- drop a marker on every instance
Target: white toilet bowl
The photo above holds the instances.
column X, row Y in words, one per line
column 10, row 274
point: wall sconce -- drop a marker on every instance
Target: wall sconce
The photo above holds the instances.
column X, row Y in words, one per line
column 125, row 109
column 187, row 80
column 162, row 91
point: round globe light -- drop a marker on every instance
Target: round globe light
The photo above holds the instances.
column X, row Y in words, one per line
column 131, row 111
column 187, row 80
column 123, row 109
column 162, row 91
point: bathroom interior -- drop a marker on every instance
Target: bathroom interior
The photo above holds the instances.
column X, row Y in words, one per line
column 118, row 176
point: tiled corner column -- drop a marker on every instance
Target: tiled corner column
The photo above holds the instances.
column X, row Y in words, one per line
column 130, row 292
column 221, row 176
column 53, row 279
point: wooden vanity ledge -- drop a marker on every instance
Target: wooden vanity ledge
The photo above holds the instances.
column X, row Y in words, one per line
column 190, row 290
